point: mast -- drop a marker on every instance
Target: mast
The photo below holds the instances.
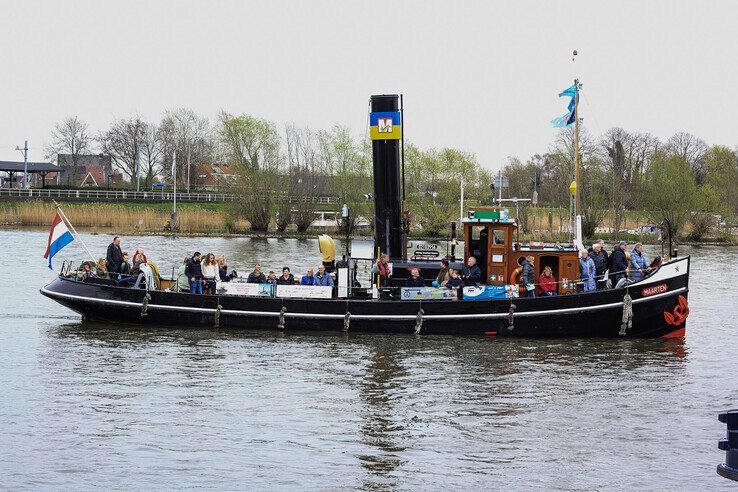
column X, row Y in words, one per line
column 577, row 204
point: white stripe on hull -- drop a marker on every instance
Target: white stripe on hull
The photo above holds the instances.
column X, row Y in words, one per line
column 233, row 312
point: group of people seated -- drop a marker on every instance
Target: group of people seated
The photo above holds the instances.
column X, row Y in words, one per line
column 200, row 274
column 117, row 266
column 447, row 277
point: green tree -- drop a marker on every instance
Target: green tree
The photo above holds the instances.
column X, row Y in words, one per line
column 669, row 190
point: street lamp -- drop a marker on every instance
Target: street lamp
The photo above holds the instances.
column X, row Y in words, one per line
column 25, row 164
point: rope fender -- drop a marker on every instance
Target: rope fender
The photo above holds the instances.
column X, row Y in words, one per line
column 217, row 315
column 346, row 321
column 627, row 321
column 419, row 321
column 510, row 315
column 281, row 317
column 145, row 305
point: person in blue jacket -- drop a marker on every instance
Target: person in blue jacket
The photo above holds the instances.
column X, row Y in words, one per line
column 639, row 265
column 323, row 278
column 309, row 278
column 587, row 271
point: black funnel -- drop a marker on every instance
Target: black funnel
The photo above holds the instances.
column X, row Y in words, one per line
column 385, row 130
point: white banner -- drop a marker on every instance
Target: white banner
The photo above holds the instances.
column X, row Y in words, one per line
column 309, row 291
column 245, row 289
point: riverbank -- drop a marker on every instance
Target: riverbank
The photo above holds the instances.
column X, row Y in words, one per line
column 208, row 219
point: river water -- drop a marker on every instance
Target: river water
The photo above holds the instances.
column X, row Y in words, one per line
column 99, row 406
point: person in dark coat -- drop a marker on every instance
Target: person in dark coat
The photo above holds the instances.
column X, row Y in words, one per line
column 599, row 258
column 114, row 256
column 256, row 277
column 193, row 270
column 455, row 283
column 286, row 278
column 619, row 263
column 125, row 267
column 471, row 274
column 415, row 280
column 529, row 276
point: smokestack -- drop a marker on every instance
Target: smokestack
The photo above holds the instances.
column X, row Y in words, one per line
column 385, row 131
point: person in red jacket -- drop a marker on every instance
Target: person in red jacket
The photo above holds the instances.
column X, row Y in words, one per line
column 547, row 283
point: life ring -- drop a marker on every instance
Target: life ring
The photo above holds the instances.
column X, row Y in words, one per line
column 514, row 275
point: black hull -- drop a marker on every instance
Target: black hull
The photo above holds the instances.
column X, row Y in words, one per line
column 596, row 314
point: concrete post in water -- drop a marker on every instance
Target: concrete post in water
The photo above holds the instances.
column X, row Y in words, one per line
column 385, row 129
column 729, row 469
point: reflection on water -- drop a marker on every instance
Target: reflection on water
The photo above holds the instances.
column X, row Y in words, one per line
column 145, row 407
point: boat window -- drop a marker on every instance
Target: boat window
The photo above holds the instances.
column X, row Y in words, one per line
column 476, row 231
column 498, row 236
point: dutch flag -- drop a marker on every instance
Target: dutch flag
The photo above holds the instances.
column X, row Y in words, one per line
column 59, row 236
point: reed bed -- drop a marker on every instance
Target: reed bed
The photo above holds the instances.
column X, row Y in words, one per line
column 120, row 218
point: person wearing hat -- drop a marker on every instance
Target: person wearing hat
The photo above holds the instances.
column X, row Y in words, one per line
column 619, row 263
column 638, row 263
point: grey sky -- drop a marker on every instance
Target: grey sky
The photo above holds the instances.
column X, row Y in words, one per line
column 479, row 76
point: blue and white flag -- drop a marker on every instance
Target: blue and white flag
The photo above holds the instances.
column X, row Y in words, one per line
column 568, row 118
column 59, row 236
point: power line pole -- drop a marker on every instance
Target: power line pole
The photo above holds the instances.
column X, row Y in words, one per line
column 25, row 164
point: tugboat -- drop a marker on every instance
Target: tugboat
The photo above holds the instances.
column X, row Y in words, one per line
column 655, row 306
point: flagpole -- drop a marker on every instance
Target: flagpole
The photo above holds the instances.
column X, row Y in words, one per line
column 74, row 231
column 577, row 205
column 174, row 179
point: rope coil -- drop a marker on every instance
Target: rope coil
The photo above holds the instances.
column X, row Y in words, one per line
column 419, row 321
column 217, row 316
column 510, row 317
column 627, row 321
column 145, row 305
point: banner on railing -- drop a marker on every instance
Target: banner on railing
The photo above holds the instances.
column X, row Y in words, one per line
column 244, row 289
column 426, row 293
column 482, row 292
column 308, row 291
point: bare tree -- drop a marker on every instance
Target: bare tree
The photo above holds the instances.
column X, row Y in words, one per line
column 690, row 148
column 70, row 136
column 151, row 154
column 302, row 157
column 188, row 133
column 121, row 141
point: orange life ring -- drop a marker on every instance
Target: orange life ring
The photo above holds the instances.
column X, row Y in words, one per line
column 514, row 275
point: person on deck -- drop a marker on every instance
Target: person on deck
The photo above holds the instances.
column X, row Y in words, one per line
column 308, row 278
column 587, row 271
column 139, row 256
column 415, row 280
column 286, row 278
column 443, row 274
column 547, row 283
column 256, row 277
column 619, row 263
column 529, row 276
column 114, row 255
column 639, row 265
column 193, row 270
column 223, row 270
column 455, row 283
column 599, row 257
column 101, row 269
column 210, row 274
column 323, row 278
column 471, row 274
column 183, row 283
column 272, row 278
column 382, row 268
column 125, row 267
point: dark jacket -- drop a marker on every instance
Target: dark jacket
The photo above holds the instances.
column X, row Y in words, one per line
column 256, row 279
column 415, row 282
column 223, row 273
column 286, row 281
column 114, row 257
column 124, row 268
column 619, row 262
column 471, row 275
column 529, row 273
column 600, row 261
column 193, row 270
column 454, row 282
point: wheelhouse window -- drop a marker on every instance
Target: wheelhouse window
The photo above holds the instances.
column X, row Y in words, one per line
column 498, row 237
